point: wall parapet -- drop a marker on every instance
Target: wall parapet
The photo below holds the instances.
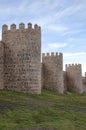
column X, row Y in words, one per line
column 52, row 54
column 21, row 27
column 71, row 66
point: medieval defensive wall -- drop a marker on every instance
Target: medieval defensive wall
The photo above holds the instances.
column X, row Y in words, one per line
column 21, row 68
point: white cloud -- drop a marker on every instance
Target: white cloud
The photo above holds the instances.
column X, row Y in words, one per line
column 74, row 54
column 57, row 28
column 68, row 11
column 53, row 47
column 56, row 45
column 73, row 31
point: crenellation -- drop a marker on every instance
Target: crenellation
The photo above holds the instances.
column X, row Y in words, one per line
column 60, row 54
column 36, row 27
column 52, row 53
column 43, row 54
column 29, row 26
column 69, row 65
column 66, row 66
column 13, row 27
column 4, row 28
column 73, row 66
column 39, row 28
column 47, row 54
column 57, row 53
column 21, row 26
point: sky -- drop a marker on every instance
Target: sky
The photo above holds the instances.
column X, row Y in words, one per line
column 63, row 25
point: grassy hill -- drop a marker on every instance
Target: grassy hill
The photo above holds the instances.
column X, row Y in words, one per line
column 20, row 111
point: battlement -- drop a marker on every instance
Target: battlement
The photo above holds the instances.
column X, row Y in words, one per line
column 52, row 54
column 72, row 66
column 21, row 27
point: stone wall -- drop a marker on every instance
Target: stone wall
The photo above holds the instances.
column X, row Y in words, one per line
column 84, row 83
column 22, row 58
column 20, row 64
column 53, row 72
column 1, row 65
column 74, row 78
column 65, row 81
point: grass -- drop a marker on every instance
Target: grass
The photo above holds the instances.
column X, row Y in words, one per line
column 48, row 110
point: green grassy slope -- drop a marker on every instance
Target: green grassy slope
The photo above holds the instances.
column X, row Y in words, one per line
column 49, row 110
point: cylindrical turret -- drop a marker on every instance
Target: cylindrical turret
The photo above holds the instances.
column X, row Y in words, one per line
column 74, row 78
column 22, row 58
column 53, row 72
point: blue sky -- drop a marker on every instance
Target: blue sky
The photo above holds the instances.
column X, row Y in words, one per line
column 63, row 24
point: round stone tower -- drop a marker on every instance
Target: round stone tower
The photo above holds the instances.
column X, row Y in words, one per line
column 74, row 78
column 22, row 58
column 53, row 72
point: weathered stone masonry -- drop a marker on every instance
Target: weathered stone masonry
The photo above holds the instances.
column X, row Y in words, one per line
column 74, row 78
column 53, row 71
column 84, row 83
column 21, row 68
column 22, row 57
column 1, row 65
